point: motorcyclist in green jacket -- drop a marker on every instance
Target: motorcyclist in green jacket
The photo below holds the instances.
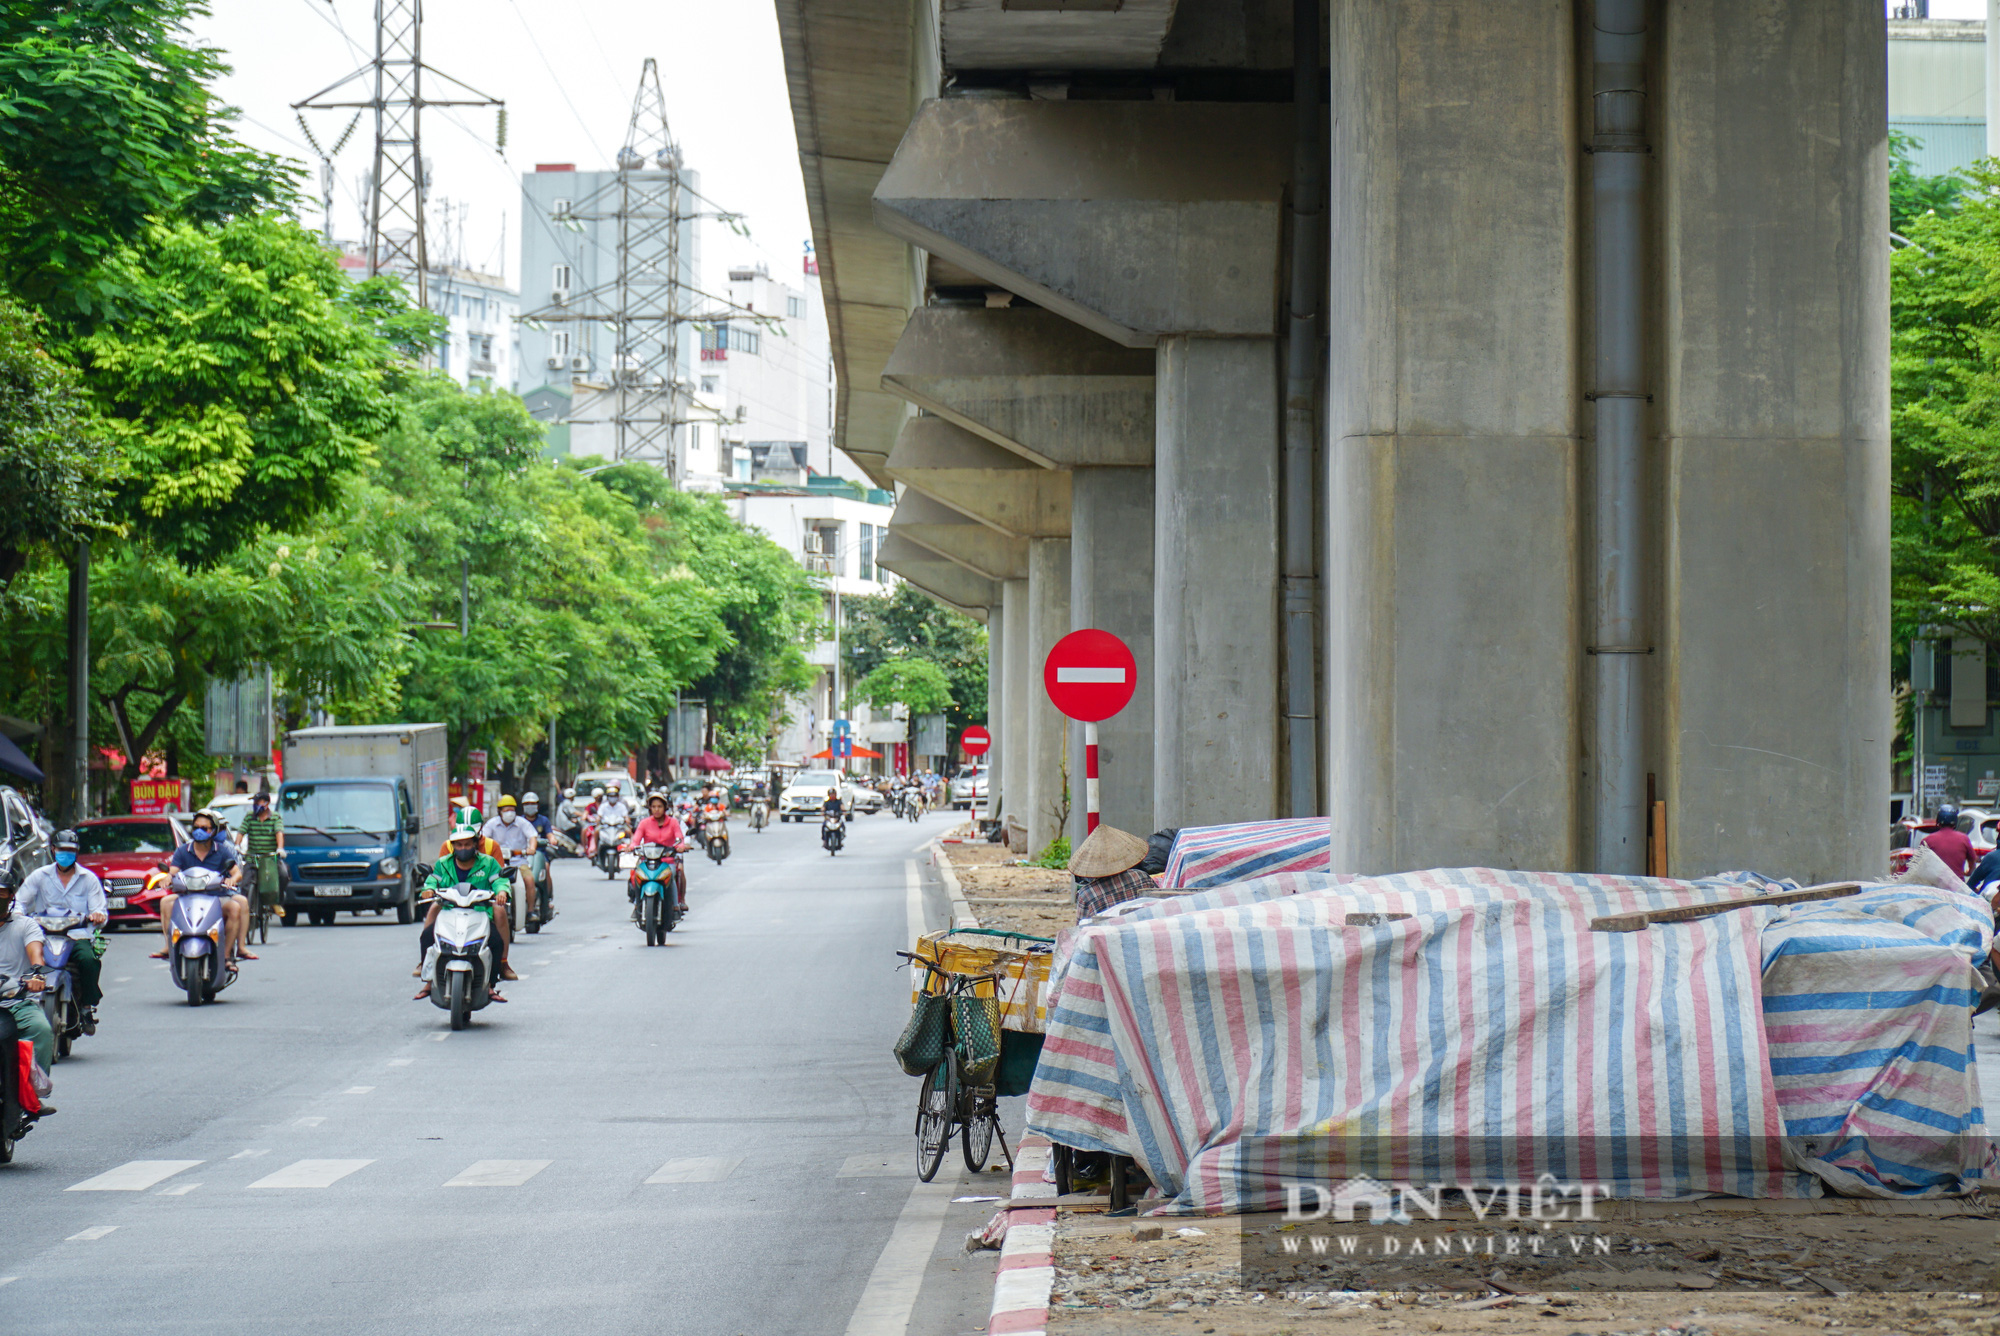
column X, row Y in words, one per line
column 480, row 871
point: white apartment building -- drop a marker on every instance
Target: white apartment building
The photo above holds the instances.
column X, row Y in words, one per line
column 832, row 527
column 481, row 342
column 770, row 374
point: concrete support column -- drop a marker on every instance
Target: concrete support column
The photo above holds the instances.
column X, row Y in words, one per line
column 1111, row 588
column 1216, row 755
column 1774, row 227
column 1013, row 743
column 1048, row 622
column 1452, row 578
column 996, row 704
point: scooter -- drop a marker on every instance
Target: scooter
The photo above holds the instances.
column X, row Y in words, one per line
column 715, row 836
column 832, row 832
column 20, row 1100
column 610, row 836
column 760, row 815
column 195, row 955
column 463, row 961
column 656, row 904
column 60, row 934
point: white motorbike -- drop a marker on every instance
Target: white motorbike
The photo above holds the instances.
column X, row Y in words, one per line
column 465, row 959
column 610, row 834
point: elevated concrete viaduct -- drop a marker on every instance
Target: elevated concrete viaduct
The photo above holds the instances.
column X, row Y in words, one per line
column 1598, row 489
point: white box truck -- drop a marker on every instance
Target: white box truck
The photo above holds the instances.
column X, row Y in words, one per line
column 362, row 805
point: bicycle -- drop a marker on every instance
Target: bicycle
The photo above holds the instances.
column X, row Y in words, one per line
column 257, row 925
column 945, row 1102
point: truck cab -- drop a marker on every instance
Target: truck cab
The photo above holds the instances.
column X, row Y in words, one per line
column 350, row 844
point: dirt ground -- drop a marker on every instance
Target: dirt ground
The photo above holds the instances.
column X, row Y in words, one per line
column 1694, row 1272
column 1031, row 900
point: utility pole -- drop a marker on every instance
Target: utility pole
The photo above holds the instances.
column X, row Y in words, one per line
column 78, row 806
column 399, row 182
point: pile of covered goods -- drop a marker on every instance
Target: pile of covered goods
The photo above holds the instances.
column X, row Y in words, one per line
column 1472, row 1027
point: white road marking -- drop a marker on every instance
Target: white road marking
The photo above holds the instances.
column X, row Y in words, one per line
column 698, row 1169
column 311, row 1174
column 401, row 1062
column 177, row 1190
column 308, row 1122
column 8, row 1280
column 357, row 1090
column 136, row 1176
column 248, row 1154
column 126, row 979
column 441, row 1036
column 497, row 1173
column 875, row 1166
column 891, row 1292
column 913, row 901
column 86, row 1235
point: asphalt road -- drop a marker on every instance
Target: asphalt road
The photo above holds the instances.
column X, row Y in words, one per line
column 709, row 1137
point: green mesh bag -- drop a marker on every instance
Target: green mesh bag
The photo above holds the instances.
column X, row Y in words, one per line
column 921, row 1046
column 978, row 1020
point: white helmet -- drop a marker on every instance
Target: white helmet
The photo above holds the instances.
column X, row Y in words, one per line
column 530, row 797
column 569, row 793
column 597, row 792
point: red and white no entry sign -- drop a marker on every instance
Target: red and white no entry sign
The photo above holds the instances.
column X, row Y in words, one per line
column 1090, row 675
column 975, row 740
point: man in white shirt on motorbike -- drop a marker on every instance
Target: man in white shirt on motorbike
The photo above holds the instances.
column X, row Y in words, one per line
column 614, row 812
column 517, row 840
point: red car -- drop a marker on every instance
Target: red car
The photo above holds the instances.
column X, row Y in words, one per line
column 122, row 850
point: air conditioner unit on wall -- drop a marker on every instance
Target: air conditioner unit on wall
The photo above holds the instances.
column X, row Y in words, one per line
column 555, row 364
column 559, row 297
column 579, row 364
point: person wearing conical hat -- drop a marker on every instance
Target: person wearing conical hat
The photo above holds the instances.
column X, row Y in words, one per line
column 1106, row 868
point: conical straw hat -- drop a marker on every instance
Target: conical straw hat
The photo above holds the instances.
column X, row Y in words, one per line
column 1108, row 851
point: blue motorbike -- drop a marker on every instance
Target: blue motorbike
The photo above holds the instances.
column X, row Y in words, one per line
column 656, row 892
column 61, row 933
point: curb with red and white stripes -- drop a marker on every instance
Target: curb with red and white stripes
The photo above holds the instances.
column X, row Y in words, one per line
column 1027, row 1273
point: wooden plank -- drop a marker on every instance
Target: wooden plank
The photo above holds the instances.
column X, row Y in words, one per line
column 1639, row 922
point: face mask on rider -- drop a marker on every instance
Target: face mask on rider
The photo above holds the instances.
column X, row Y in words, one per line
column 65, row 859
column 203, row 834
column 506, row 816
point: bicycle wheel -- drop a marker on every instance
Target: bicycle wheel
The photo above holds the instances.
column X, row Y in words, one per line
column 979, row 1116
column 934, row 1114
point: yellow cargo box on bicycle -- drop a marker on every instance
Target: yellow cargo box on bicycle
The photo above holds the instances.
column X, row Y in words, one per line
column 1020, row 962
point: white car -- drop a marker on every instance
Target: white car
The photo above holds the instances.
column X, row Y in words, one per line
column 806, row 794
column 968, row 787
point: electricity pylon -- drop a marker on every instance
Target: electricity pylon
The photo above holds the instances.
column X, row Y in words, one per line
column 399, row 182
column 645, row 304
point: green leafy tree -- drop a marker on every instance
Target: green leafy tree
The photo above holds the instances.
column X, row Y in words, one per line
column 1912, row 195
column 905, row 625
column 107, row 120
column 53, row 451
column 918, row 683
column 244, row 386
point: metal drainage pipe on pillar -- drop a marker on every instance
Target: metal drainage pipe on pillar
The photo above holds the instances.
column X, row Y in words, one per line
column 1618, row 642
column 1301, row 406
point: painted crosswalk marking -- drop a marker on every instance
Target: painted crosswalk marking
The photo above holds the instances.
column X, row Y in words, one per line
column 311, row 1174
column 87, row 1235
column 136, row 1176
column 177, row 1190
column 697, row 1169
column 497, row 1173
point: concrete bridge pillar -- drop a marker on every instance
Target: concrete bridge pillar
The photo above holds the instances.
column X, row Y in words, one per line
column 1463, row 452
column 1111, row 587
column 1016, row 706
column 1215, row 571
column 1049, row 771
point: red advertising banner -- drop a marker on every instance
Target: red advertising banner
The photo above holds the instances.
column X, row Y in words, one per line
column 157, row 797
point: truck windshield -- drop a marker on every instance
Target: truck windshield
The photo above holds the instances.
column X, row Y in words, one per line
column 370, row 807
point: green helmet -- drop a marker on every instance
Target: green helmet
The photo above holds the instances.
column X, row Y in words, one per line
column 468, row 815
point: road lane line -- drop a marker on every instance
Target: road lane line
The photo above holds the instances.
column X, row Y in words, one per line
column 913, row 902
column 401, row 1062
column 308, row 1122
column 357, row 1090
column 311, row 1174
column 126, row 979
column 8, row 1280
column 441, row 1036
column 891, row 1292
column 87, row 1235
column 497, row 1173
column 177, row 1190
column 875, row 1166
column 248, row 1154
column 136, row 1176
column 697, row 1169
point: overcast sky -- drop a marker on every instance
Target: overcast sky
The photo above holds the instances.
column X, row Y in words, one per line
column 567, row 70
